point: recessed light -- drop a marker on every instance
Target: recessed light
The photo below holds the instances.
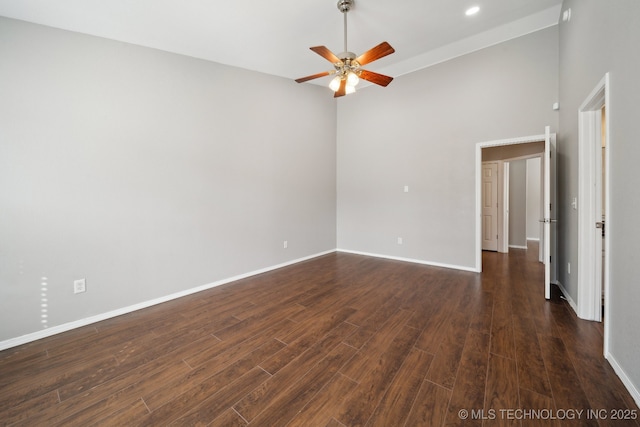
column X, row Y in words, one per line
column 472, row 10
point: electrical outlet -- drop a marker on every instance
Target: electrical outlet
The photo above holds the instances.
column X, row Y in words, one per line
column 406, row 188
column 79, row 286
column 285, row 245
column 399, row 240
column 568, row 268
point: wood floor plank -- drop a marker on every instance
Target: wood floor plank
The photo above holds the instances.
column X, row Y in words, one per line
column 447, row 358
column 260, row 398
column 118, row 401
column 469, row 388
column 532, row 374
column 129, row 385
column 541, row 408
column 222, row 351
column 198, row 384
column 256, row 324
column 483, row 313
column 285, row 405
column 318, row 325
column 334, row 423
column 430, row 406
column 129, row 415
column 374, row 381
column 429, row 301
column 377, row 344
column 229, row 418
column 100, row 376
column 435, row 330
column 502, row 337
column 24, row 412
column 584, row 346
column 501, row 395
column 319, row 411
column 215, row 404
column 394, row 407
column 46, row 381
column 565, row 385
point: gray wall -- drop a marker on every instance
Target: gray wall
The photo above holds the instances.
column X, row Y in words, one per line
column 602, row 37
column 148, row 174
column 421, row 131
column 518, row 203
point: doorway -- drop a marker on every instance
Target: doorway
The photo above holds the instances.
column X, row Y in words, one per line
column 513, row 149
column 594, row 224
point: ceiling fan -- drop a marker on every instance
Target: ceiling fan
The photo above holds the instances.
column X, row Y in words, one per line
column 347, row 65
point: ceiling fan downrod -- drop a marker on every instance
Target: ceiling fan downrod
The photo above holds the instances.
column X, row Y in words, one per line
column 345, row 6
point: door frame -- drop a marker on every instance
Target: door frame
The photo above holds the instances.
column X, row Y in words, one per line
column 503, row 243
column 589, row 304
column 479, row 147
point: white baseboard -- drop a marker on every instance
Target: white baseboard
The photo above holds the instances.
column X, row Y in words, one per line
column 518, row 247
column 566, row 295
column 412, row 260
column 533, row 239
column 24, row 339
column 633, row 390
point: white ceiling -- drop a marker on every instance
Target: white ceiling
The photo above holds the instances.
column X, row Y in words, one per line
column 274, row 36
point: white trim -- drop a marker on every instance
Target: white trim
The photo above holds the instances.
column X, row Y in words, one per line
column 518, row 247
column 570, row 300
column 506, row 214
column 13, row 342
column 633, row 391
column 412, row 260
column 546, row 212
column 479, row 147
column 521, row 27
column 533, row 239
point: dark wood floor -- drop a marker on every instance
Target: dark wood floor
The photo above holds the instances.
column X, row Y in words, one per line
column 340, row 340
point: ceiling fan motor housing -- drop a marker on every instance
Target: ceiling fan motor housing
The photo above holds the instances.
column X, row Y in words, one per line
column 345, row 5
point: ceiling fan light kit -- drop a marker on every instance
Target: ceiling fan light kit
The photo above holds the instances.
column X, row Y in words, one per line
column 347, row 66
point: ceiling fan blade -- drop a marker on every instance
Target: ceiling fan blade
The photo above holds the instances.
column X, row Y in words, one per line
column 377, row 52
column 379, row 79
column 326, row 54
column 342, row 90
column 314, row 76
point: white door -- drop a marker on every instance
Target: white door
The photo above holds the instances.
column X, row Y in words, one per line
column 490, row 206
column 599, row 231
column 548, row 229
column 599, row 214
